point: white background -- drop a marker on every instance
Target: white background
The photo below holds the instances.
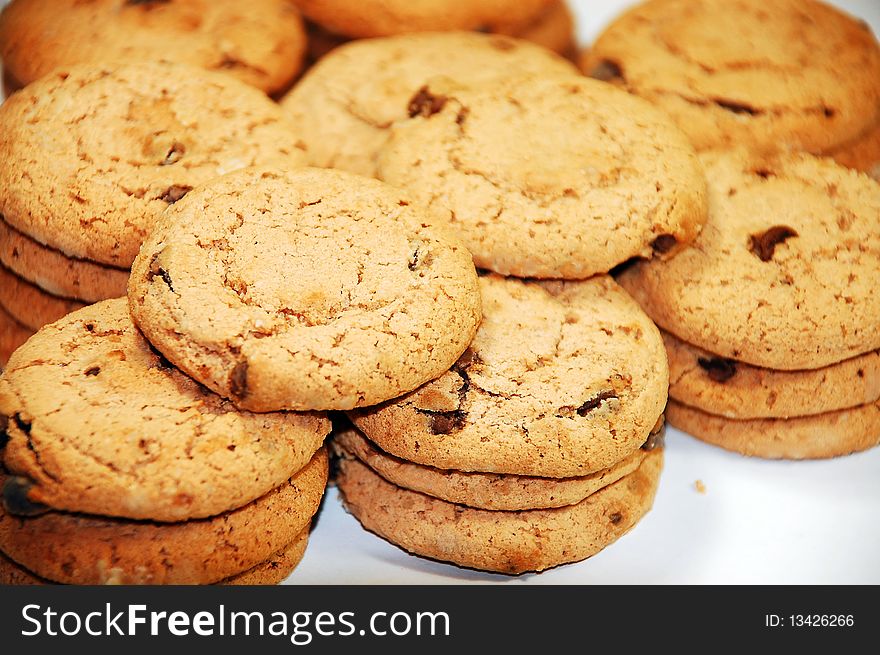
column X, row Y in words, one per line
column 758, row 522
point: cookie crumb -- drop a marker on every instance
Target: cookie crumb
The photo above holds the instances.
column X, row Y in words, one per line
column 699, row 486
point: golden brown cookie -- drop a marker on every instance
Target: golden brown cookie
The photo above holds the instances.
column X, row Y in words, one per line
column 12, row 335
column 260, row 42
column 810, row 437
column 563, row 379
column 93, row 156
column 342, row 108
column 553, row 28
column 732, row 389
column 481, row 490
column 366, row 18
column 506, row 542
column 304, row 289
column 550, row 178
column 29, row 304
column 788, row 74
column 56, row 273
column 79, row 549
column 100, row 423
column 863, row 154
column 784, row 274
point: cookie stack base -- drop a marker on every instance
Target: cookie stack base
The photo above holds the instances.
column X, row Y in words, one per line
column 509, row 542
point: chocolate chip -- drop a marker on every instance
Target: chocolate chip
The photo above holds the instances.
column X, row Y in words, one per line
column 157, row 271
column 664, row 243
column 21, row 424
column 446, row 422
column 764, row 244
column 238, row 379
column 763, row 173
column 860, row 373
column 174, row 155
column 828, row 112
column 15, row 497
column 424, row 103
column 468, row 358
column 90, row 327
column 607, row 70
column 655, row 440
column 174, row 193
column 737, row 107
column 595, row 401
column 718, row 369
column 615, row 518
column 94, row 370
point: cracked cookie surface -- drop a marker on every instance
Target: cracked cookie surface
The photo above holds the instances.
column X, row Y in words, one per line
column 507, row 542
column 83, row 549
column 734, row 389
column 30, row 305
column 306, row 289
column 260, row 42
column 553, row 178
column 369, row 18
column 792, row 74
column 562, row 379
column 100, row 423
column 342, row 108
column 481, row 490
column 93, row 156
column 56, row 273
column 783, row 275
column 832, row 434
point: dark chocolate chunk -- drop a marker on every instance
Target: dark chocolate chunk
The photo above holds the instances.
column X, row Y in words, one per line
column 92, row 371
column 157, row 271
column 468, row 358
column 615, row 518
column 15, row 497
column 607, row 70
column 424, row 103
column 664, row 243
column 718, row 369
column 595, row 401
column 764, row 244
column 655, row 439
column 238, row 379
column 446, row 422
column 174, row 193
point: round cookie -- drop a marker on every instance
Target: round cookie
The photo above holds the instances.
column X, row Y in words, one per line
column 30, row 305
column 728, row 388
column 57, row 274
column 563, row 379
column 482, row 490
column 506, row 542
column 810, row 437
column 366, row 18
column 342, row 108
column 863, row 154
column 12, row 335
column 277, row 568
column 304, row 289
column 553, row 29
column 549, row 178
column 783, row 274
column 260, row 42
column 78, row 549
column 94, row 156
column 100, row 423
column 788, row 74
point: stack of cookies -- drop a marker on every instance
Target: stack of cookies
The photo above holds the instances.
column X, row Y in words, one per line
column 121, row 470
column 92, row 157
column 538, row 446
column 787, row 75
column 772, row 319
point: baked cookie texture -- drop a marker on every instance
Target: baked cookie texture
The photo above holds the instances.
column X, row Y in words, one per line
column 481, row 490
column 93, row 156
column 506, row 542
column 862, row 154
column 831, row 434
column 304, row 289
column 553, row 28
column 735, row 390
column 259, row 42
column 56, row 273
column 12, row 335
column 783, row 274
column 100, row 423
column 342, row 108
column 367, row 18
column 788, row 74
column 561, row 177
column 563, row 379
column 79, row 549
column 30, row 305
